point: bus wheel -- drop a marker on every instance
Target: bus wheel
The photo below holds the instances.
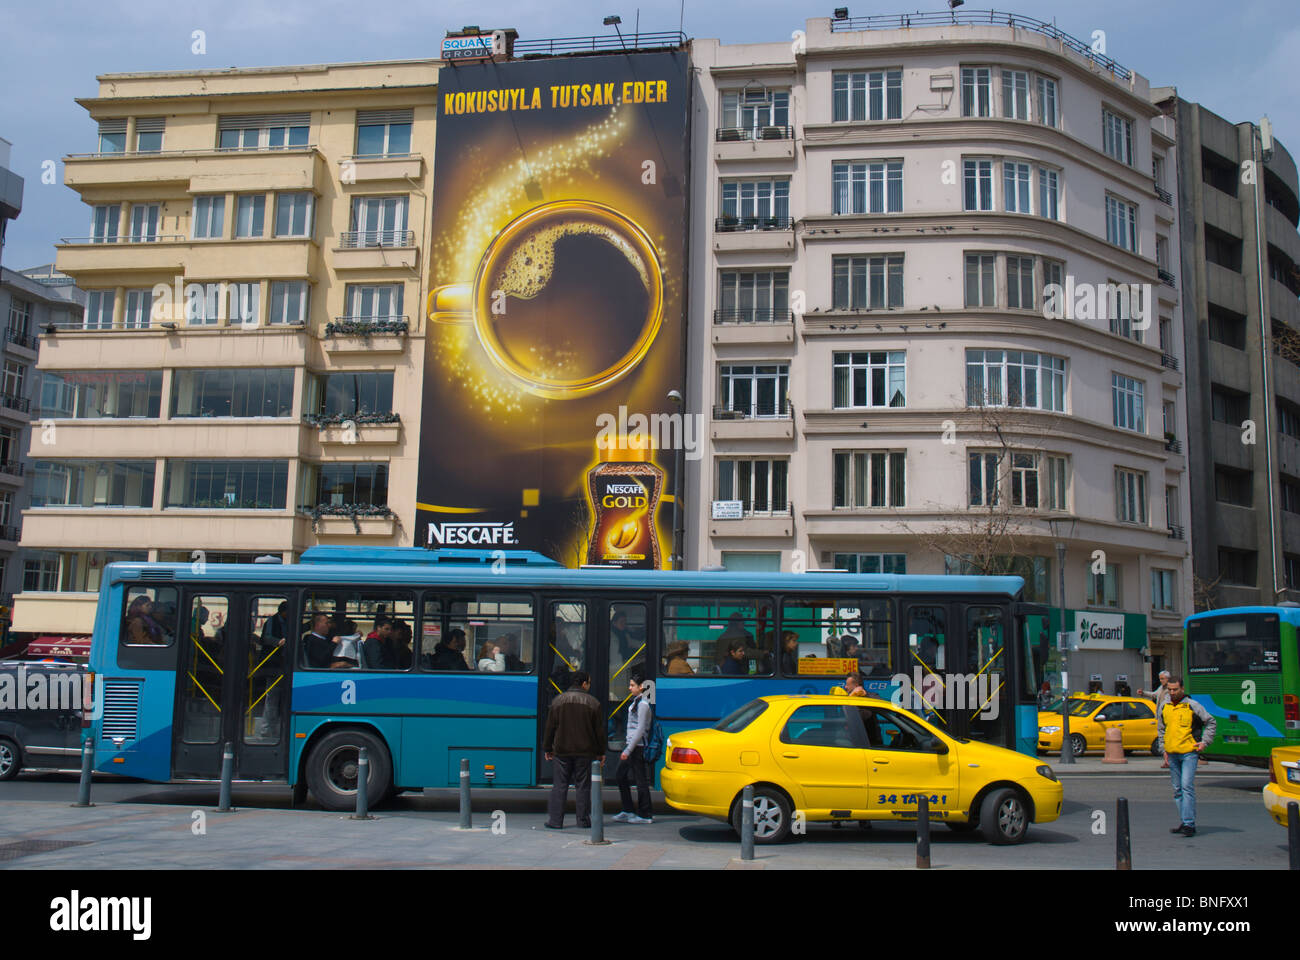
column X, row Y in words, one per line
column 1003, row 817
column 332, row 769
column 10, row 759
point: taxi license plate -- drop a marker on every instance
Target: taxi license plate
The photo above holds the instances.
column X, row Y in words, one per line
column 1293, row 774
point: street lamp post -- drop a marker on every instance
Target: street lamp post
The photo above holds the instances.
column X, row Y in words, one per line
column 1067, row 751
column 676, row 397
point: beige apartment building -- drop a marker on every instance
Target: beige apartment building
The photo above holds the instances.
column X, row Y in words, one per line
column 879, row 208
column 246, row 378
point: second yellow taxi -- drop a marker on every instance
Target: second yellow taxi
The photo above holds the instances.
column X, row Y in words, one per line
column 1092, row 714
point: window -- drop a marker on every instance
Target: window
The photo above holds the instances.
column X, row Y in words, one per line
column 1054, row 273
column 1162, row 253
column 293, row 214
column 867, row 186
column 250, row 215
column 145, row 218
column 756, row 203
column 258, row 392
column 1162, row 589
column 379, row 221
column 348, row 483
column 93, row 394
column 1219, row 172
column 748, row 112
column 1130, row 496
column 1015, row 378
column 6, row 510
column 723, row 635
column 1121, row 224
column 1123, row 303
column 1227, row 328
column 1049, row 193
column 12, row 382
column 1015, row 94
column 139, row 306
column 208, row 304
column 859, row 283
column 104, row 221
column 20, row 316
column 276, row 132
column 978, row 184
column 874, row 95
column 1224, row 250
column 1117, row 136
column 112, row 136
column 1128, row 403
column 289, row 301
column 1103, row 588
column 1229, row 406
column 377, row 302
column 1290, row 494
column 209, row 217
column 1167, row 418
column 345, row 621
column 818, row 727
column 976, row 92
column 233, row 484
column 870, row 479
column 870, row 379
column 1166, row 335
column 1171, row 507
column 1024, row 480
column 1158, row 171
column 459, row 627
column 856, row 628
column 1046, row 88
column 384, row 132
column 1237, row 566
column 41, row 573
column 984, row 470
column 981, row 288
column 1233, row 486
column 93, row 483
column 755, row 296
column 760, row 485
column 1292, row 568
column 347, row 394
column 756, row 391
column 149, row 134
column 1056, row 483
column 1020, row 283
column 99, row 310
column 1016, row 186
column 1288, row 419
column 871, row 562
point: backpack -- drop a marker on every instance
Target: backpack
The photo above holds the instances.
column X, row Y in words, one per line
column 654, row 742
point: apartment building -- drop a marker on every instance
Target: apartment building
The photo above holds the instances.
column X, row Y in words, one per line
column 887, row 216
column 1239, row 199
column 11, row 193
column 246, row 375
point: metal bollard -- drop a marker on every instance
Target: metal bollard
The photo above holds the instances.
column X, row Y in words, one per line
column 1123, row 849
column 87, row 764
column 466, row 814
column 747, row 823
column 1293, row 833
column 227, row 775
column 363, row 786
column 923, row 833
column 597, row 806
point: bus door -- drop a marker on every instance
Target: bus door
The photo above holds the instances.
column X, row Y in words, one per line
column 626, row 640
column 566, row 649
column 234, row 685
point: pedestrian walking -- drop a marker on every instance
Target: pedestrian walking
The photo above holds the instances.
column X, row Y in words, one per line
column 632, row 762
column 1182, row 749
column 574, row 736
column 1161, row 696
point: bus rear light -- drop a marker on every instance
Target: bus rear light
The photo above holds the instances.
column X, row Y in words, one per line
column 1291, row 706
column 686, row 755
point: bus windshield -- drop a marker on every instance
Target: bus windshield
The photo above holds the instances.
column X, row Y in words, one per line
column 1235, row 643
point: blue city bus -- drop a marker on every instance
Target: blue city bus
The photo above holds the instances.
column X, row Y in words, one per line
column 294, row 666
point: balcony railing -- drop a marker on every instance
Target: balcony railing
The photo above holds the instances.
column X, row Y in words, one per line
column 726, row 224
column 1165, row 195
column 10, row 532
column 13, row 468
column 766, row 132
column 366, row 326
column 358, row 239
column 110, row 154
column 904, row 21
column 1173, row 445
column 753, row 316
column 1166, row 277
column 1176, row 532
column 22, row 339
column 15, row 403
column 322, row 420
column 124, row 238
column 769, row 410
column 1169, row 361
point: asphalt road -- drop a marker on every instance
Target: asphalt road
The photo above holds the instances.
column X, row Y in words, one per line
column 1234, row 832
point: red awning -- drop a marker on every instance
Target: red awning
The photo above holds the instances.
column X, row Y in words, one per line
column 59, row 647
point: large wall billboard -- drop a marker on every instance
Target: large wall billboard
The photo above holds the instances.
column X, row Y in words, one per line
column 557, row 308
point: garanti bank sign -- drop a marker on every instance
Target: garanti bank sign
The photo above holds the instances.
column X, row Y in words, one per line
column 1100, row 631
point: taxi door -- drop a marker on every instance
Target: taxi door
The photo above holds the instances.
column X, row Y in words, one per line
column 904, row 762
column 1137, row 723
column 823, row 758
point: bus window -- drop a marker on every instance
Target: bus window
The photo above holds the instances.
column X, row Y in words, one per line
column 370, row 630
column 498, row 630
column 627, row 649
column 567, row 636
column 724, row 636
column 1243, row 643
column 824, row 627
column 204, row 689
column 984, row 640
column 927, row 628
column 270, row 632
column 150, row 618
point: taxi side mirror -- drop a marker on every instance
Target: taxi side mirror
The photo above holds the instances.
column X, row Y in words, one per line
column 1100, row 717
column 935, row 745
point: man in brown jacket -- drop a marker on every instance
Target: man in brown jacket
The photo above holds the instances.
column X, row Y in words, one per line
column 575, row 735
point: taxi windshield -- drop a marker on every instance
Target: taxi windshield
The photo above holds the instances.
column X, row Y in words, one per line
column 1081, row 708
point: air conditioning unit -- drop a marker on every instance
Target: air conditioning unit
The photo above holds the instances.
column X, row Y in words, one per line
column 755, row 97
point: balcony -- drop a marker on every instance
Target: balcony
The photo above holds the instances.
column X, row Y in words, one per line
column 10, row 534
column 362, row 429
column 758, row 422
column 726, row 224
column 776, row 523
column 198, row 171
column 377, row 169
column 1166, row 277
column 1176, row 532
column 1169, row 362
column 17, row 407
column 366, row 335
column 376, row 250
column 753, row 326
column 22, row 341
column 1173, row 444
column 87, row 255
column 351, row 520
column 753, row 233
column 102, row 528
column 744, row 143
column 1165, row 196
column 11, row 471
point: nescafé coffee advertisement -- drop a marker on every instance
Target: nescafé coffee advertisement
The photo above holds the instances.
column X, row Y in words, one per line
column 556, row 311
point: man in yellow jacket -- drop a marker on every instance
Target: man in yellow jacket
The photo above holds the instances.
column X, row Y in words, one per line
column 1182, row 749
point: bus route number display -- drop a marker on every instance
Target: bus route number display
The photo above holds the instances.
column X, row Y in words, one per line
column 826, row 667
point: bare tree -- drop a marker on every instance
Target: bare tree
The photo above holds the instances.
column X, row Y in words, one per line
column 1205, row 593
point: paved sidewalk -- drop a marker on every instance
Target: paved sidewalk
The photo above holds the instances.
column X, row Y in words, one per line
column 1092, row 764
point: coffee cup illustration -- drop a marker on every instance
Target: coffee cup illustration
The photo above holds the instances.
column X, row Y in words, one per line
column 567, row 298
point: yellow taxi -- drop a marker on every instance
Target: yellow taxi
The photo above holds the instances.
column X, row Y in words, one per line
column 1092, row 714
column 1283, row 785
column 832, row 758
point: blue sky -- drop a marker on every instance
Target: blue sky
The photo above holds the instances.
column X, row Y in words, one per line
column 1242, row 60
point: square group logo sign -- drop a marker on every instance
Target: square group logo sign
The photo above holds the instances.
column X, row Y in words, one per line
column 557, row 308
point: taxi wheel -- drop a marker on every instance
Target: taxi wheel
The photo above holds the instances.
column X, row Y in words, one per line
column 1155, row 747
column 1004, row 818
column 772, row 813
column 1078, row 744
column 10, row 763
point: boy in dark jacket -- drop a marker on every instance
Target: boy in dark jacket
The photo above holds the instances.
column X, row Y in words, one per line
column 574, row 736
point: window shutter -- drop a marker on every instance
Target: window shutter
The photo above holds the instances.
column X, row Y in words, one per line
column 263, row 121
column 368, row 117
column 150, row 124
